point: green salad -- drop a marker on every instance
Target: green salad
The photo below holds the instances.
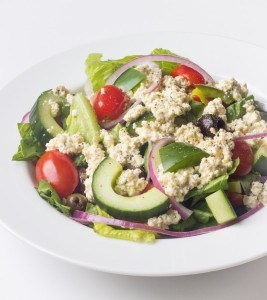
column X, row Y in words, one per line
column 153, row 147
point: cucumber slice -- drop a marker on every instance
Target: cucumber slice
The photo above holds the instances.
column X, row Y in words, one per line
column 220, row 207
column 180, row 155
column 82, row 119
column 235, row 186
column 42, row 121
column 260, row 160
column 146, row 157
column 136, row 208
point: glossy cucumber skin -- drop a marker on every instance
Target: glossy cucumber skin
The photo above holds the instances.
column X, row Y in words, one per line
column 42, row 122
column 135, row 208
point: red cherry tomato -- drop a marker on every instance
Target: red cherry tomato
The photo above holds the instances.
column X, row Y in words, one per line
column 59, row 170
column 190, row 74
column 235, row 199
column 109, row 103
column 244, row 152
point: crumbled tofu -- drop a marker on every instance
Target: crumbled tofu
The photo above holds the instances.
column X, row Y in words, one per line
column 215, row 107
column 93, row 154
column 220, row 160
column 134, row 113
column 107, row 138
column 253, row 199
column 126, row 152
column 189, row 133
column 129, row 183
column 182, row 82
column 251, row 123
column 168, row 102
column 178, row 184
column 61, row 91
column 69, row 98
column 171, row 217
column 233, row 87
column 54, row 107
column 154, row 130
column 65, row 143
column 153, row 76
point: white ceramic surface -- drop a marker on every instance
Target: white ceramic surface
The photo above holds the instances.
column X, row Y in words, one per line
column 33, row 220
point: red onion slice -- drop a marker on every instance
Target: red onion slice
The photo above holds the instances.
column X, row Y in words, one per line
column 153, row 58
column 251, row 136
column 26, row 118
column 86, row 218
column 184, row 212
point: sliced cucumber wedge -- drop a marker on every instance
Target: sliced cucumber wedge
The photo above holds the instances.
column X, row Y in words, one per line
column 42, row 121
column 136, row 208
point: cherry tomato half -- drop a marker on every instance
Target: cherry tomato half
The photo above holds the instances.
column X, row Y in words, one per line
column 190, row 74
column 244, row 152
column 235, row 199
column 109, row 103
column 59, row 170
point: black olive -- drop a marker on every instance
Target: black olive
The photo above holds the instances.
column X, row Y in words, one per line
column 208, row 121
column 75, row 202
column 82, row 176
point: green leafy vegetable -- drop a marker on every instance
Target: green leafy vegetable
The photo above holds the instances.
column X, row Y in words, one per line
column 186, row 225
column 202, row 216
column 91, row 208
column 197, row 108
column 236, row 110
column 246, row 181
column 79, row 161
column 134, row 235
column 46, row 191
column 130, row 79
column 29, row 148
column 165, row 66
column 148, row 116
column 99, row 71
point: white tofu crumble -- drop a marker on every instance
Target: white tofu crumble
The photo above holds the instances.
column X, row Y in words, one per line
column 258, row 194
column 168, row 101
column 251, row 123
column 231, row 86
column 134, row 113
column 61, row 91
column 215, row 107
column 129, row 183
column 93, row 154
column 54, row 107
column 171, row 217
column 65, row 143
column 127, row 152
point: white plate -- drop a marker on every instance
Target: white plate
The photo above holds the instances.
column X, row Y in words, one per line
column 33, row 220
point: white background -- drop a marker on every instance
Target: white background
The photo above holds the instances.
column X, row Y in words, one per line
column 31, row 31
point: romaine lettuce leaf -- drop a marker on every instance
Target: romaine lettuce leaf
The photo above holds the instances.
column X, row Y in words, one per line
column 29, row 148
column 46, row 191
column 165, row 66
column 99, row 71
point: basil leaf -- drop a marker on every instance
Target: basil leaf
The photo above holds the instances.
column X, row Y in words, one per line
column 29, row 148
column 46, row 191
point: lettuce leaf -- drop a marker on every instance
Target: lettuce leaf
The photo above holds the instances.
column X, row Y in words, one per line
column 134, row 235
column 29, row 147
column 165, row 66
column 46, row 191
column 99, row 71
